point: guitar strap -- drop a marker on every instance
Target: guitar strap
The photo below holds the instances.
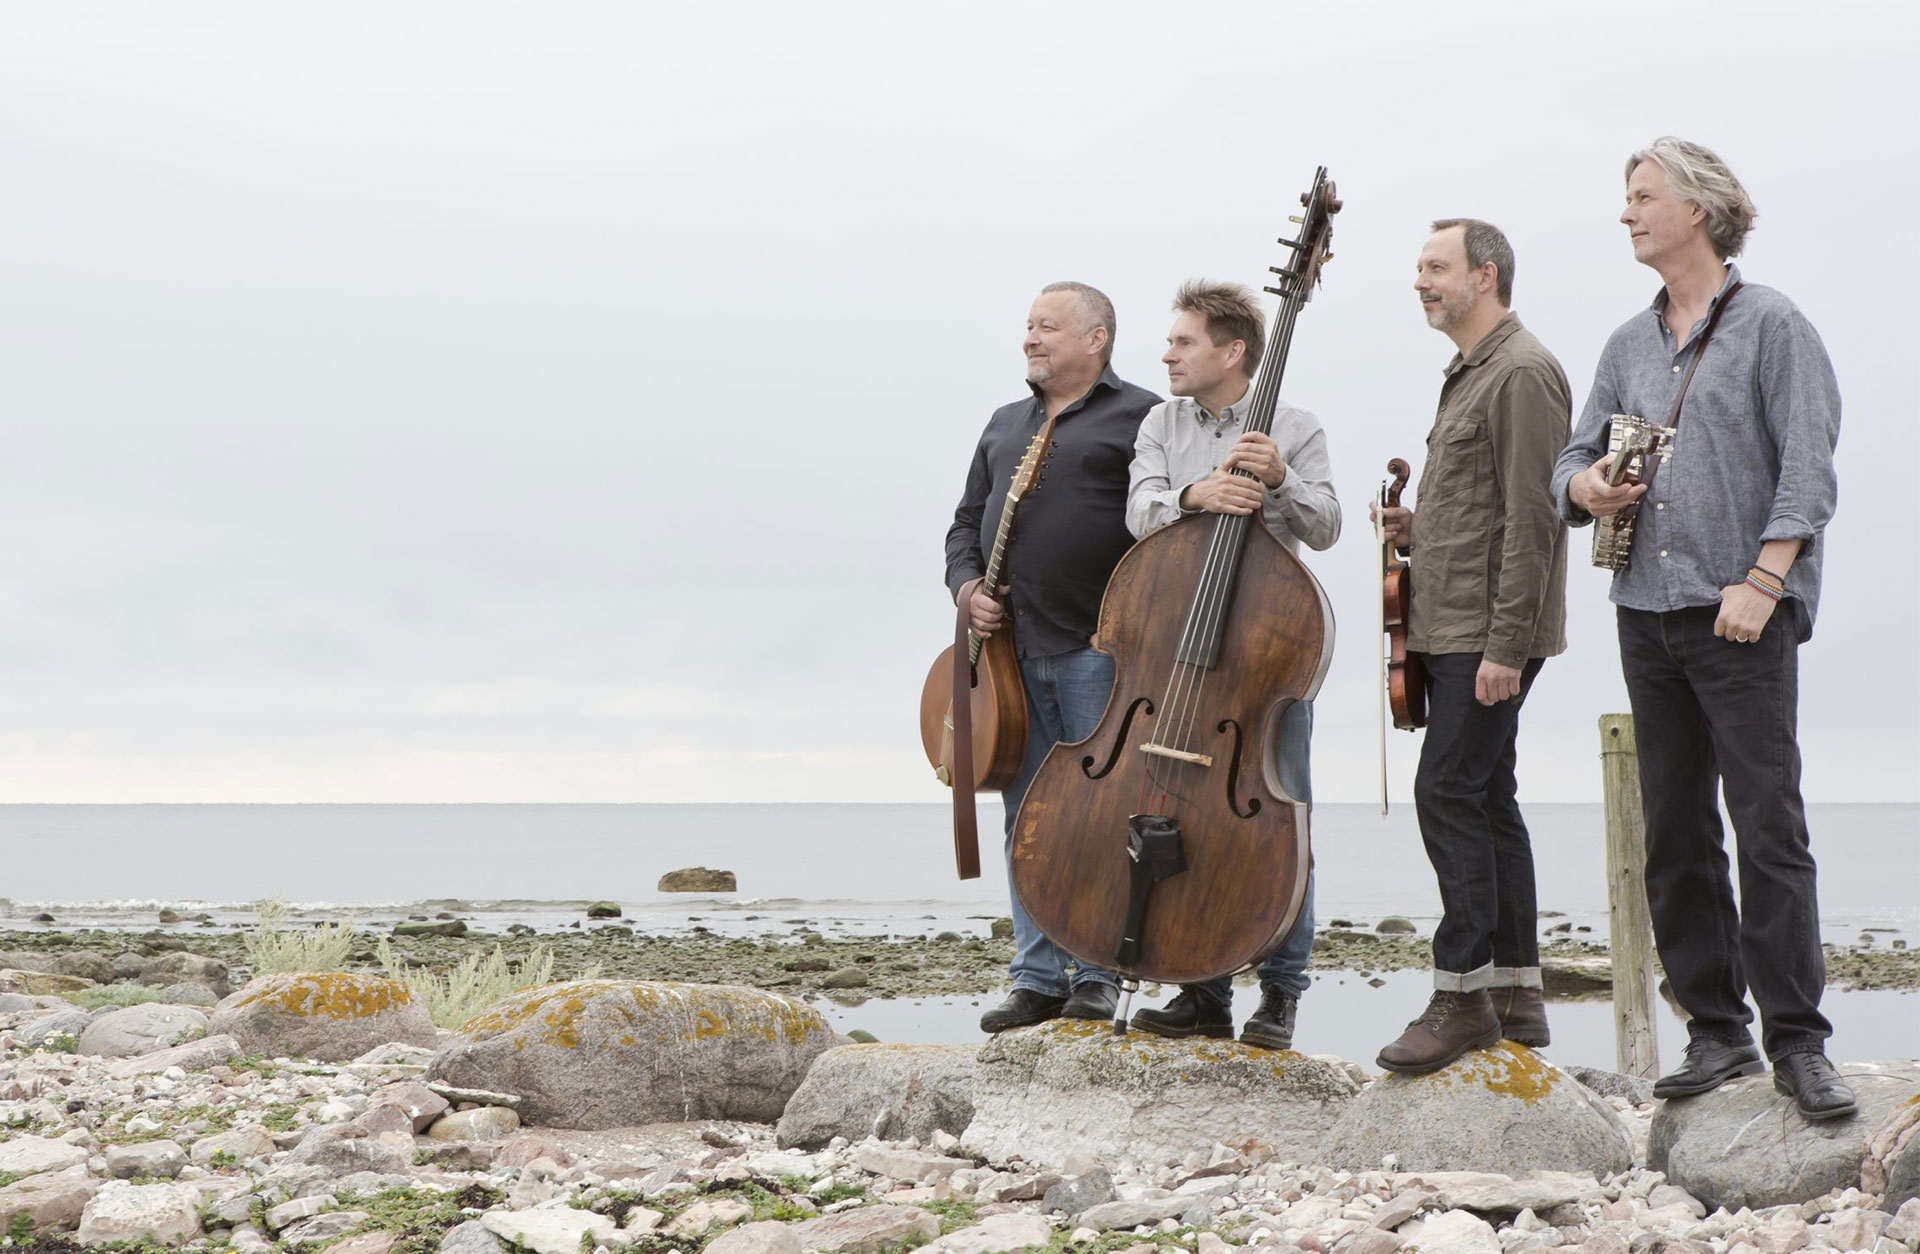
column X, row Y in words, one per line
column 1652, row 466
column 966, row 833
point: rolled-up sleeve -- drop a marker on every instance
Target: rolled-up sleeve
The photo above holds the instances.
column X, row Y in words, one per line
column 1153, row 499
column 1304, row 504
column 1801, row 400
column 1527, row 423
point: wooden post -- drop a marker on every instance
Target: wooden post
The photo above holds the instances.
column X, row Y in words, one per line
column 1636, row 1047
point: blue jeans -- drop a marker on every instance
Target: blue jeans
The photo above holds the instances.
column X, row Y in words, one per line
column 1066, row 695
column 1286, row 967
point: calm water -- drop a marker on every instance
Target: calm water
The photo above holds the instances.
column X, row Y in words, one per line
column 851, row 870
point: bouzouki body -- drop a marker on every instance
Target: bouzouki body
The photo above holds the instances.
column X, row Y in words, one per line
column 998, row 704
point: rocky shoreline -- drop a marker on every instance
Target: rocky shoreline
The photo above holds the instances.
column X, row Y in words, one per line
column 796, row 958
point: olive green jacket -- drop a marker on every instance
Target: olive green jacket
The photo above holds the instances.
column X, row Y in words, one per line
column 1489, row 554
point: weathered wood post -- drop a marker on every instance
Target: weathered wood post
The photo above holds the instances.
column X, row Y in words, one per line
column 1636, row 1047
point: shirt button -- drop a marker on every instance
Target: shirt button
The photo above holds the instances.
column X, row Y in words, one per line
column 1663, row 552
column 1659, row 504
column 1676, row 370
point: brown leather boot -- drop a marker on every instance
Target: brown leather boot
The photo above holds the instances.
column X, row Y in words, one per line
column 1452, row 1024
column 1523, row 1015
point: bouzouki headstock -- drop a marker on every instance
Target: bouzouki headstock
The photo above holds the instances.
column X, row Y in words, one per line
column 1027, row 476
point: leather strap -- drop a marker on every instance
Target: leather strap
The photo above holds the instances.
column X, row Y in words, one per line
column 966, row 831
column 1652, row 466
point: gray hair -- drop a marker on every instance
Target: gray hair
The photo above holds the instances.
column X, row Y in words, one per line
column 1485, row 242
column 1698, row 174
column 1095, row 309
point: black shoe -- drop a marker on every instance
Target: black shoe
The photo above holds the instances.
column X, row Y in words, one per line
column 1192, row 1012
column 1091, row 1001
column 1810, row 1080
column 1709, row 1064
column 1272, row 1025
column 1024, row 1007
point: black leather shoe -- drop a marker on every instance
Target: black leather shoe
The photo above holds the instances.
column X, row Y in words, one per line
column 1810, row 1080
column 1091, row 1001
column 1023, row 1008
column 1191, row 1013
column 1272, row 1025
column 1709, row 1064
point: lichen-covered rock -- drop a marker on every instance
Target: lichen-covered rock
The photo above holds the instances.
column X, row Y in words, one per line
column 1072, row 1087
column 698, row 879
column 142, row 1029
column 613, row 1053
column 332, row 1016
column 1744, row 1144
column 1504, row 1109
column 40, row 983
column 895, row 1092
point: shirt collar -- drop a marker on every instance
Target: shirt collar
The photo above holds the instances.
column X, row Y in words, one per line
column 1108, row 379
column 1502, row 331
column 1659, row 305
column 1234, row 413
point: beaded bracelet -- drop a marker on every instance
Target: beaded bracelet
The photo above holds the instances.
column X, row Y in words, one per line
column 1764, row 586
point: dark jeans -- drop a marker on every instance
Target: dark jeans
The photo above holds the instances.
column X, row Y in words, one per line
column 1708, row 715
column 1465, row 794
column 1066, row 695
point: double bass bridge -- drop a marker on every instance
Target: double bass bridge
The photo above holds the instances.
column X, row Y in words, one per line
column 1178, row 755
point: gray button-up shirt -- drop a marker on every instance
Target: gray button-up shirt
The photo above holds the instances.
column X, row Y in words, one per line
column 1752, row 458
column 1180, row 443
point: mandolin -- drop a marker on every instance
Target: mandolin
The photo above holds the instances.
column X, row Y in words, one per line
column 987, row 741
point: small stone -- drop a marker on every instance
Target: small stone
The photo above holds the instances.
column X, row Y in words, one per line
column 770, row 1237
column 1001, row 929
column 703, row 1216
column 1080, row 1194
column 145, row 1158
column 1857, row 1229
column 471, row 1237
column 603, row 910
column 1394, row 925
column 167, row 1214
column 486, row 1123
column 557, row 1231
column 846, row 977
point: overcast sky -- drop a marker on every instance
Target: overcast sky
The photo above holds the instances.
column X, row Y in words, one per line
column 479, row 402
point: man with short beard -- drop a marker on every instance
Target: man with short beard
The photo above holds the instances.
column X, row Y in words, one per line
column 1183, row 461
column 1715, row 601
column 1488, row 558
column 1065, row 544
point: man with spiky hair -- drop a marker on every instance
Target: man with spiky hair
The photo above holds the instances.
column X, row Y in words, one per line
column 1488, row 557
column 1182, row 464
column 1718, row 595
column 1064, row 547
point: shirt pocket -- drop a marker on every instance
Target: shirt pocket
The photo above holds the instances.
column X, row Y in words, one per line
column 1459, row 464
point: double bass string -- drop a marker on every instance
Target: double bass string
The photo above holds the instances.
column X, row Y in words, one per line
column 1182, row 700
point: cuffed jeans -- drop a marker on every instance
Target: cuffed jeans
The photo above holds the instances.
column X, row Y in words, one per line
column 1066, row 695
column 1466, row 796
column 1286, row 967
column 1709, row 714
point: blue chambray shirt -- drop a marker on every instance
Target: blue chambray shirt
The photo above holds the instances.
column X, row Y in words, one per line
column 1752, row 460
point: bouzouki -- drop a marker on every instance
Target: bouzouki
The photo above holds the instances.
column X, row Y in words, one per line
column 982, row 739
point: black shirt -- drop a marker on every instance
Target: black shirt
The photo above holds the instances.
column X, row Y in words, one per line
column 1072, row 527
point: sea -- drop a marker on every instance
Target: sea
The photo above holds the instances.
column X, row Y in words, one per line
column 862, row 870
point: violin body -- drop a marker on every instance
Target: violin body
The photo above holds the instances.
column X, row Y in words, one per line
column 1245, row 839
column 998, row 703
column 1406, row 675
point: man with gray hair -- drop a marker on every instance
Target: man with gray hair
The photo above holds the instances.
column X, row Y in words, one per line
column 1488, row 559
column 1064, row 546
column 1717, row 596
column 1183, row 463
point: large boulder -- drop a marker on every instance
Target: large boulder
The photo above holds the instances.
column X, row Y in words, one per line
column 198, row 1055
column 1072, row 1087
column 332, row 1016
column 29, row 1155
column 141, row 1029
column 1744, row 1144
column 52, row 1201
column 894, row 1092
column 1888, row 1167
column 40, row 983
column 1504, row 1110
column 613, row 1053
column 697, row 879
column 166, row 1214
column 186, row 968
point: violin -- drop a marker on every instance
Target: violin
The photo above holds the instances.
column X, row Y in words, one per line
column 1163, row 846
column 1403, row 678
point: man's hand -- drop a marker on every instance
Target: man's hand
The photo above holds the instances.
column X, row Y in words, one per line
column 1258, row 456
column 1495, row 683
column 1222, row 493
column 984, row 614
column 1591, row 492
column 1395, row 523
column 1744, row 612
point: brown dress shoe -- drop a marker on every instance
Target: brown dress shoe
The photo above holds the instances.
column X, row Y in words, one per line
column 1452, row 1024
column 1523, row 1015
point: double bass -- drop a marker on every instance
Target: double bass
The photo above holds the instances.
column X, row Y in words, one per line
column 1163, row 846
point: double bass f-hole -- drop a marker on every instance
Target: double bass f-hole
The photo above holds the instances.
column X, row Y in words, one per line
column 1119, row 742
column 1233, row 774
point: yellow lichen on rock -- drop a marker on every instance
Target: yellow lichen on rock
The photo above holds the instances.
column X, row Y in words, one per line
column 328, row 994
column 688, row 1013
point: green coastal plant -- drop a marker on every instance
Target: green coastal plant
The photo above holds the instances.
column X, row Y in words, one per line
column 476, row 981
column 115, row 995
column 272, row 946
